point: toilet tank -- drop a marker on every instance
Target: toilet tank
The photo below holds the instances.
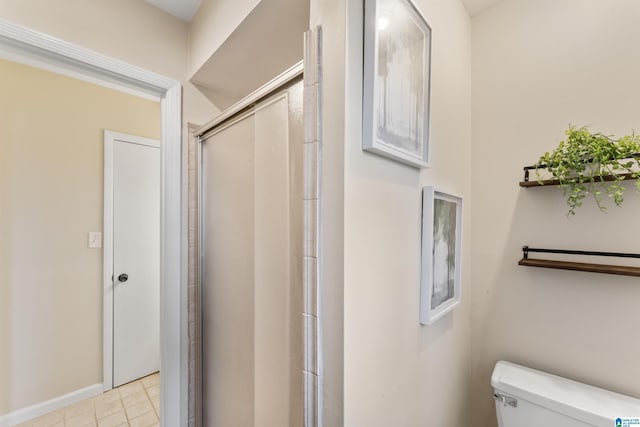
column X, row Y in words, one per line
column 529, row 398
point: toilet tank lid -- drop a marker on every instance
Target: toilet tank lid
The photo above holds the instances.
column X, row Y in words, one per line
column 583, row 402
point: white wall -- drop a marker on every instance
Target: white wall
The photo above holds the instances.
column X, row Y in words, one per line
column 539, row 65
column 132, row 31
column 397, row 372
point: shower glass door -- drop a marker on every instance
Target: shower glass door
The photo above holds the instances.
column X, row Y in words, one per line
column 251, row 274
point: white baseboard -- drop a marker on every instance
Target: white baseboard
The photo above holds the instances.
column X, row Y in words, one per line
column 34, row 411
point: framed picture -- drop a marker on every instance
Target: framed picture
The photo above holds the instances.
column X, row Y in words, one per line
column 397, row 70
column 441, row 250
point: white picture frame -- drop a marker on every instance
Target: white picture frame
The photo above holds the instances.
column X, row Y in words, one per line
column 397, row 81
column 440, row 289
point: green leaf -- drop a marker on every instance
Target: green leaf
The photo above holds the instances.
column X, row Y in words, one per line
column 585, row 160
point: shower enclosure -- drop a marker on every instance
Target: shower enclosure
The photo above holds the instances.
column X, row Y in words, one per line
column 250, row 292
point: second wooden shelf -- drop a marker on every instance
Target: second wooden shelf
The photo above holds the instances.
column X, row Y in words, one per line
column 622, row 270
column 581, row 266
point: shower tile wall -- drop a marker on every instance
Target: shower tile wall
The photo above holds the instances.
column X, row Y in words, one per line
column 192, row 158
column 312, row 143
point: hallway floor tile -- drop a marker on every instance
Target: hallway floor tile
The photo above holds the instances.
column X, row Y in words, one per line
column 136, row 404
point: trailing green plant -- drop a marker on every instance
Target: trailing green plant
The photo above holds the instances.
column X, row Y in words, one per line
column 592, row 163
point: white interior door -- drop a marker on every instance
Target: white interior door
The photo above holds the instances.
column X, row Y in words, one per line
column 136, row 256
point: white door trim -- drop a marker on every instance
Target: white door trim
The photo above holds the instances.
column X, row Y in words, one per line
column 20, row 42
column 107, row 252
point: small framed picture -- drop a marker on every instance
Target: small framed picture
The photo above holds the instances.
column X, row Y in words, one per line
column 441, row 252
column 397, row 70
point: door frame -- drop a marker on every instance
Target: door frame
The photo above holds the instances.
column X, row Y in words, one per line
column 33, row 48
column 107, row 252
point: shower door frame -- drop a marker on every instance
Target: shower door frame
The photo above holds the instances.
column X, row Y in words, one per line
column 229, row 116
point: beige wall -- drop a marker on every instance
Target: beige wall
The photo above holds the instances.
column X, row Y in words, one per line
column 539, row 65
column 212, row 24
column 237, row 46
column 132, row 31
column 397, row 372
column 51, row 189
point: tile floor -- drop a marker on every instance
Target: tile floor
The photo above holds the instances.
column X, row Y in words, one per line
column 132, row 405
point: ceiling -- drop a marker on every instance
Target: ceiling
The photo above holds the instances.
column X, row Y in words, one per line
column 476, row 6
column 186, row 9
column 183, row 9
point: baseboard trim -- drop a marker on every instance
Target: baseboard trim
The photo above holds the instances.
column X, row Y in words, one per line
column 34, row 411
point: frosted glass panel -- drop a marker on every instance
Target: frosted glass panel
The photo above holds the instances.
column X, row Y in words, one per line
column 252, row 303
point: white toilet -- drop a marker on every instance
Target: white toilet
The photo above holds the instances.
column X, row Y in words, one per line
column 529, row 398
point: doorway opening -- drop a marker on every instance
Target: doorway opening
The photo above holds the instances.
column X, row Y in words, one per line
column 29, row 47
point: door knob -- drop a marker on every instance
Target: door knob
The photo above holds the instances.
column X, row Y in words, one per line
column 123, row 277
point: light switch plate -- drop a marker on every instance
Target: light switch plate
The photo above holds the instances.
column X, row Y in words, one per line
column 95, row 239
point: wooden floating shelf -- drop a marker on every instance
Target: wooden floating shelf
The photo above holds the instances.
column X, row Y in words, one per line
column 545, row 182
column 581, row 266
